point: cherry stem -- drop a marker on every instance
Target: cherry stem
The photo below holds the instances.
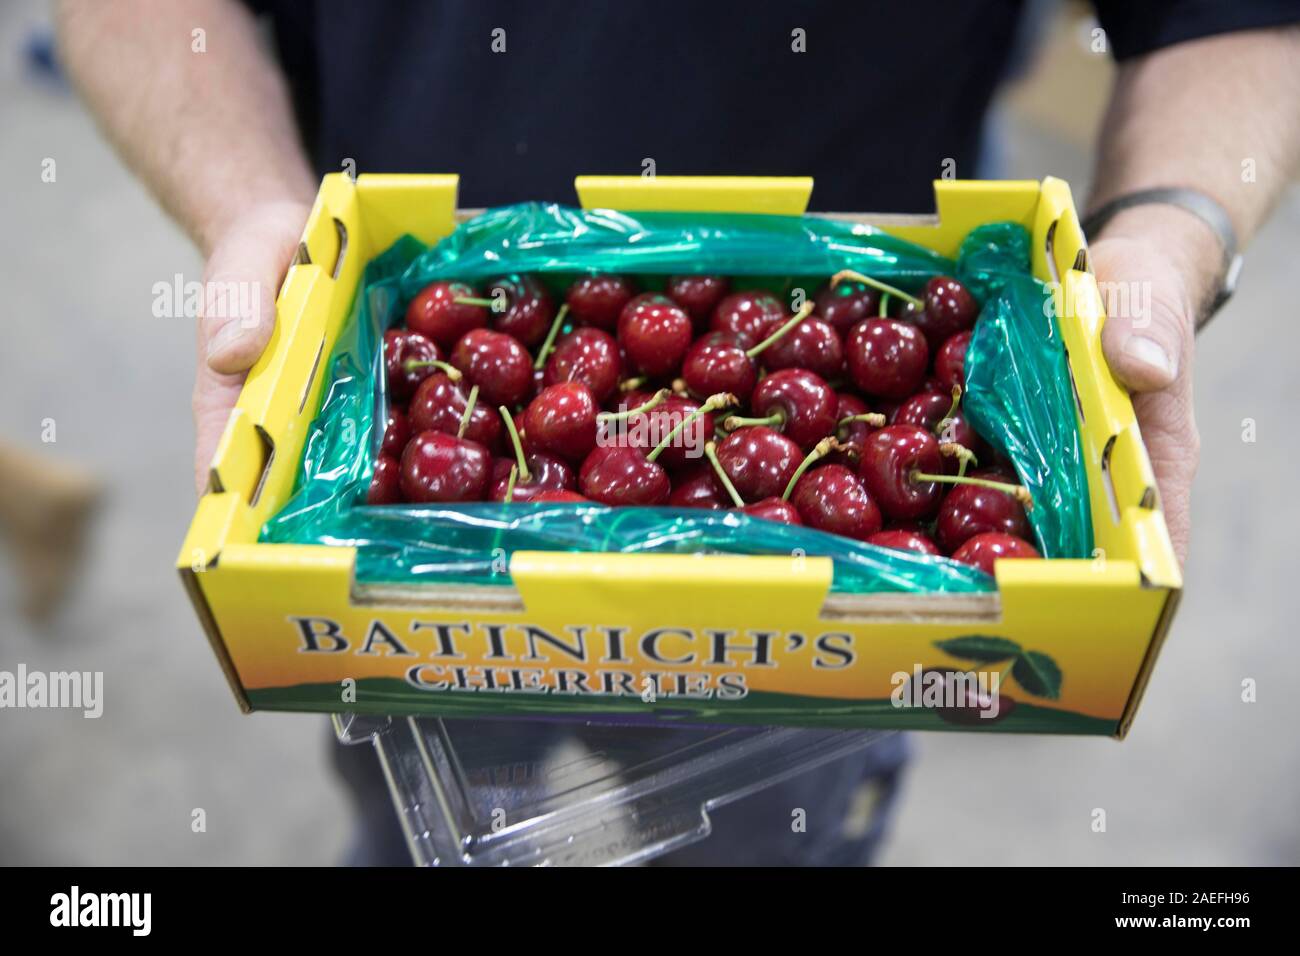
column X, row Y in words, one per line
column 510, row 484
column 820, row 451
column 711, row 404
column 964, row 455
column 849, row 274
column 549, row 341
column 656, row 399
column 711, row 453
column 524, row 474
column 680, row 387
column 450, row 371
column 786, row 326
column 952, row 410
column 775, row 420
column 469, row 410
column 472, row 300
column 628, row 384
column 884, row 305
column 874, row 419
column 1019, row 492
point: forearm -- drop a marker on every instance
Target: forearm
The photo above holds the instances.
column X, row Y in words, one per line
column 210, row 133
column 1217, row 115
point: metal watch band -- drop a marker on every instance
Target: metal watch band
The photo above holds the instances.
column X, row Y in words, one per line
column 1198, row 204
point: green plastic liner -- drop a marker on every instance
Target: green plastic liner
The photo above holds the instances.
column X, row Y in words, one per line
column 472, row 544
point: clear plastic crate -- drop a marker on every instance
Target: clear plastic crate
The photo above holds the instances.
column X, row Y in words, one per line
column 574, row 793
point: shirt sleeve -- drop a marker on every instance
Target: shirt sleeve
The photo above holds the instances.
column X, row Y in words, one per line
column 1135, row 27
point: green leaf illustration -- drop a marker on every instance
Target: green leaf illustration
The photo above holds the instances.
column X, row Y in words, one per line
column 1038, row 674
column 979, row 647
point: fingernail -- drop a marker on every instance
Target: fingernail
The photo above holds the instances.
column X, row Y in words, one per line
column 1152, row 353
column 226, row 336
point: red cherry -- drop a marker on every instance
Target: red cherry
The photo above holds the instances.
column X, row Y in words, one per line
column 698, row 295
column 396, row 433
column 385, row 484
column 699, row 489
column 889, row 459
column 402, row 346
column 846, row 304
column 746, row 314
column 545, row 473
column 886, row 357
column 759, row 461
column 928, row 409
column 622, row 475
column 598, row 300
column 795, row 402
column 968, row 510
column 435, row 313
column 560, row 497
column 983, row 550
column 717, row 363
column 812, row 344
column 437, row 467
column 831, row 498
column 901, row 540
column 947, row 308
column 950, row 361
column 774, row 509
column 439, row 405
column 589, row 356
column 687, row 446
column 529, row 308
column 497, row 364
column 854, row 422
column 655, row 333
column 562, row 420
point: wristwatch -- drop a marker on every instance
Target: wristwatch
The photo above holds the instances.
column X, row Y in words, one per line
column 1198, row 204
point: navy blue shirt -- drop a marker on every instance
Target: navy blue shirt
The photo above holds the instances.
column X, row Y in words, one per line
column 881, row 95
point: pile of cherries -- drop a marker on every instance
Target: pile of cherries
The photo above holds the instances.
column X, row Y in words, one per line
column 844, row 416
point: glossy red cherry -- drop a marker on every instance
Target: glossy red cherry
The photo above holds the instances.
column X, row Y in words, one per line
column 562, row 421
column 746, row 314
column 901, row 540
column 598, row 300
column 717, row 362
column 686, row 448
column 846, row 304
column 385, row 484
column 545, row 473
column 832, row 498
column 854, row 421
column 396, row 433
column 497, row 364
column 813, row 344
column 886, row 357
column 774, row 509
column 698, row 295
column 983, row 550
column 947, row 308
column 699, row 489
column 560, row 497
column 950, row 361
column 528, row 311
column 589, row 356
column 655, row 333
column 407, row 361
column 759, row 461
column 623, row 475
column 968, row 510
column 437, row 467
column 435, row 313
column 930, row 410
column 439, row 405
column 795, row 402
column 889, row 459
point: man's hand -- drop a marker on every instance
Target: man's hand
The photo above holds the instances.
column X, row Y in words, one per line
column 1152, row 289
column 241, row 280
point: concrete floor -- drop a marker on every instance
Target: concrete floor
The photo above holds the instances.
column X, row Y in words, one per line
column 1203, row 778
